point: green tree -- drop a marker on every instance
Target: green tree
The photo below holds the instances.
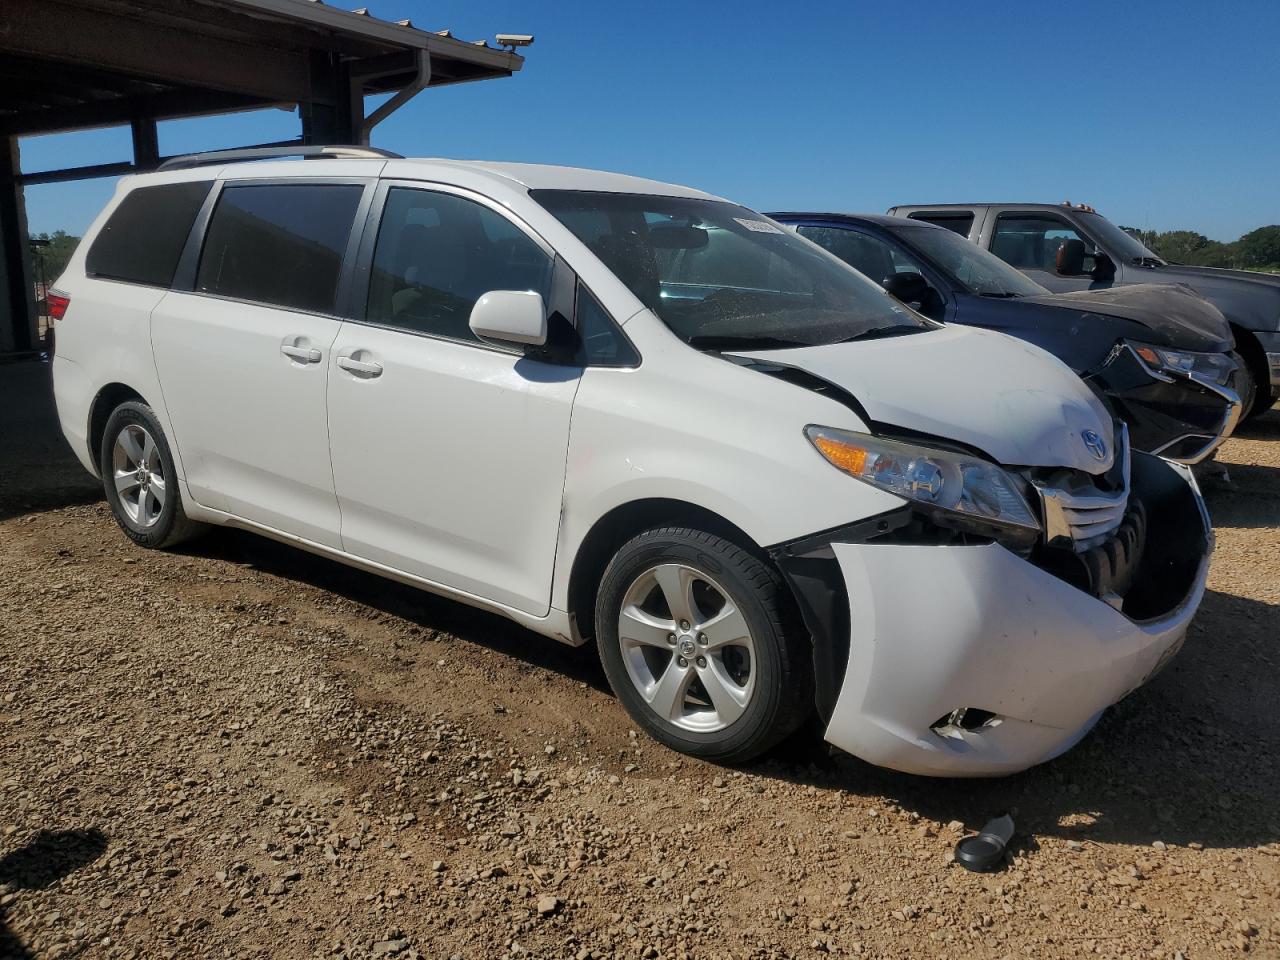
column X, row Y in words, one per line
column 54, row 256
column 1259, row 248
column 1213, row 255
column 1148, row 238
column 1181, row 245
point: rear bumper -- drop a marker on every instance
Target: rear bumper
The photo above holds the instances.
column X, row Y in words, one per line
column 72, row 395
column 933, row 630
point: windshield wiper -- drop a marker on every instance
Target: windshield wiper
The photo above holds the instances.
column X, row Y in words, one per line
column 892, row 330
column 735, row 342
column 1002, row 295
column 1148, row 261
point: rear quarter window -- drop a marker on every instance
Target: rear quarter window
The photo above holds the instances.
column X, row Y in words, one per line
column 281, row 245
column 960, row 223
column 143, row 238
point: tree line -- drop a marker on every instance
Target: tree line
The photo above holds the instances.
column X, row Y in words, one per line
column 1256, row 250
column 51, row 255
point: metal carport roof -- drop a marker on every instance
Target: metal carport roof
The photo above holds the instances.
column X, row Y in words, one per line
column 77, row 64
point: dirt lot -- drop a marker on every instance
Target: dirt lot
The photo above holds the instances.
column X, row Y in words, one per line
column 241, row 750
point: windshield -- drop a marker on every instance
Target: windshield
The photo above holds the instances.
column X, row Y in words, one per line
column 721, row 276
column 1127, row 247
column 968, row 264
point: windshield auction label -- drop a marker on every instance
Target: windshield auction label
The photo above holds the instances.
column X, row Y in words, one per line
column 758, row 226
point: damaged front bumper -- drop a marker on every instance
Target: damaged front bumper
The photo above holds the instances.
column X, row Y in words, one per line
column 969, row 660
column 1183, row 417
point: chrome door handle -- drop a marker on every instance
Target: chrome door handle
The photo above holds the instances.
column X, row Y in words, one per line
column 365, row 368
column 301, row 354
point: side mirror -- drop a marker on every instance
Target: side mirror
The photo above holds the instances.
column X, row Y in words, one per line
column 1069, row 261
column 510, row 317
column 907, row 286
column 1104, row 269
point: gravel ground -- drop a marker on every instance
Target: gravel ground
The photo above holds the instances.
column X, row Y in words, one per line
column 240, row 750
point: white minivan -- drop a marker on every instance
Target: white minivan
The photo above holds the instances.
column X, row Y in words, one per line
column 626, row 411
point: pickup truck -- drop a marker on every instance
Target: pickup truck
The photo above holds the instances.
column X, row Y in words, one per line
column 1068, row 247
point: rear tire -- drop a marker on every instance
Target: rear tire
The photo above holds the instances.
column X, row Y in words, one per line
column 699, row 644
column 140, row 479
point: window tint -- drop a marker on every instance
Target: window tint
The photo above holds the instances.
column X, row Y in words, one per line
column 977, row 270
column 142, row 240
column 601, row 343
column 870, row 256
column 279, row 244
column 729, row 258
column 879, row 259
column 437, row 253
column 960, row 223
column 720, row 276
column 1031, row 242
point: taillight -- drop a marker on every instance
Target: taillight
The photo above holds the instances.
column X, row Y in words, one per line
column 56, row 303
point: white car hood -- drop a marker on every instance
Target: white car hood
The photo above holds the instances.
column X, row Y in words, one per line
column 1005, row 397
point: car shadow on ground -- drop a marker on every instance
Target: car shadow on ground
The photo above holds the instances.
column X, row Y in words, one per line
column 1250, row 501
column 38, row 471
column 411, row 604
column 1200, row 730
column 42, row 861
column 1264, row 427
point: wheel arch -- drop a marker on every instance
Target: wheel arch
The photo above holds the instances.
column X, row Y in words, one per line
column 104, row 403
column 1250, row 349
column 627, row 520
column 619, row 525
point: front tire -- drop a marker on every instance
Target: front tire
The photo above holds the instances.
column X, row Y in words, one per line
column 140, row 479
column 1246, row 386
column 699, row 644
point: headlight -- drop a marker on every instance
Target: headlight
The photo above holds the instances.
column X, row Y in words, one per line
column 964, row 491
column 1216, row 367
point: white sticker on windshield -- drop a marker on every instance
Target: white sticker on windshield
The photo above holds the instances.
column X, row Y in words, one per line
column 758, row 226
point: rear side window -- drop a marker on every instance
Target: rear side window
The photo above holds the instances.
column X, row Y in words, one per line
column 279, row 244
column 960, row 223
column 142, row 240
column 1031, row 241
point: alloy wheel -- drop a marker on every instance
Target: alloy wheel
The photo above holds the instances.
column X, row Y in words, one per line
column 687, row 648
column 138, row 474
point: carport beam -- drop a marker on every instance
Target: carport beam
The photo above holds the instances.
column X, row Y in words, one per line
column 146, row 143
column 18, row 308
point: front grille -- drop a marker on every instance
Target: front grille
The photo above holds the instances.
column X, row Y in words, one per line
column 1095, row 532
column 1083, row 510
column 1107, row 569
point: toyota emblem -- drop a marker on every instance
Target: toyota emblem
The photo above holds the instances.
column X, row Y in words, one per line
column 1097, row 446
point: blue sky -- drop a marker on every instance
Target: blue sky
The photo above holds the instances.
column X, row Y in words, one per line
column 1162, row 115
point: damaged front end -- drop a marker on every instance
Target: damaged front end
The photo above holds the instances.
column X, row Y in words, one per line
column 1181, row 415
column 1135, row 538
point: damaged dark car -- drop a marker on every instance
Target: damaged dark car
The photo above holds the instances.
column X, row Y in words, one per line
column 1161, row 356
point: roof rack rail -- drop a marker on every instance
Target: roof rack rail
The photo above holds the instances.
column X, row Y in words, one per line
column 269, row 153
